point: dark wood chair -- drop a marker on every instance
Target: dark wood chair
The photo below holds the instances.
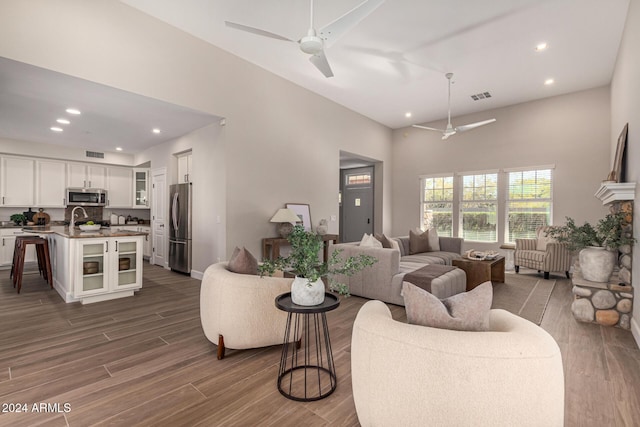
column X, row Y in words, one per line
column 19, row 254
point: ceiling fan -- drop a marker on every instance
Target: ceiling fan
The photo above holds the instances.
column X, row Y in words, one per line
column 315, row 41
column 450, row 130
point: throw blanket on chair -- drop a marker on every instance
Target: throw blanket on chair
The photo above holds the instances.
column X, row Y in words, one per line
column 422, row 277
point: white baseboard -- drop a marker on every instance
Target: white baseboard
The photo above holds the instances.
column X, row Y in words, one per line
column 197, row 274
column 635, row 330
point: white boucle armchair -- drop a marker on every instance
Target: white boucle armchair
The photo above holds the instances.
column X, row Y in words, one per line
column 238, row 311
column 410, row 375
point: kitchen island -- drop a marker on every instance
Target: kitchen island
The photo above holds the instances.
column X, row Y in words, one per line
column 92, row 266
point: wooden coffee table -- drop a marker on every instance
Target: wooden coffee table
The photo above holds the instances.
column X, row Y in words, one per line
column 481, row 271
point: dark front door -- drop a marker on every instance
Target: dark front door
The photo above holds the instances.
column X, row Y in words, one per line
column 357, row 203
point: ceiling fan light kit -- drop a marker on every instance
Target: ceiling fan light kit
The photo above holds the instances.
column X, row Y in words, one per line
column 314, row 44
column 450, row 130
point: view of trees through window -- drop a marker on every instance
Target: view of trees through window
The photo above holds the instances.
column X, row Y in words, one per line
column 526, row 198
column 479, row 207
column 437, row 204
column 529, row 202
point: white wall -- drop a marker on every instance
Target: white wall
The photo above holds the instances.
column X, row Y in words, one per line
column 625, row 108
column 208, row 189
column 571, row 131
column 281, row 142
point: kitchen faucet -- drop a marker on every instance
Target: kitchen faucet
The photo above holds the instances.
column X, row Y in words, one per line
column 73, row 215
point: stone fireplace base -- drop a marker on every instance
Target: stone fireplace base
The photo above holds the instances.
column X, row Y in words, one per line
column 608, row 304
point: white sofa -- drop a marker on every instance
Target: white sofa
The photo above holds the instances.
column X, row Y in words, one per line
column 238, row 311
column 383, row 280
column 410, row 375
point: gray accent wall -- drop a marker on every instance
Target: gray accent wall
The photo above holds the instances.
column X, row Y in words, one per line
column 625, row 108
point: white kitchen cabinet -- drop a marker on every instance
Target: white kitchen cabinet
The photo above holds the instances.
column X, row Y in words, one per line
column 8, row 237
column 51, row 178
column 80, row 175
column 184, row 168
column 17, row 181
column 119, row 188
column 106, row 268
column 141, row 188
column 147, row 246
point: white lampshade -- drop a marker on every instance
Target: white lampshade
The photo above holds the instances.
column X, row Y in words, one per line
column 287, row 219
column 285, row 215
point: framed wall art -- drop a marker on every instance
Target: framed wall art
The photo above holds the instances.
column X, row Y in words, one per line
column 304, row 213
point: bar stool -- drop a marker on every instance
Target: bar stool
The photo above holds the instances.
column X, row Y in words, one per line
column 42, row 252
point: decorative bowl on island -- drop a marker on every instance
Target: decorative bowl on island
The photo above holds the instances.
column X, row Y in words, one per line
column 93, row 227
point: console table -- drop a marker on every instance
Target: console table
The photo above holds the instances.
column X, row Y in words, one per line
column 271, row 246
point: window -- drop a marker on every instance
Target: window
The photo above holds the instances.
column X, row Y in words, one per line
column 478, row 207
column 529, row 202
column 355, row 179
column 437, row 204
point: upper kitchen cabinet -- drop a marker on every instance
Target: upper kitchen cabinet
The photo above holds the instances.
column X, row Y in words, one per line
column 86, row 176
column 184, row 167
column 141, row 188
column 120, row 190
column 17, row 181
column 51, row 179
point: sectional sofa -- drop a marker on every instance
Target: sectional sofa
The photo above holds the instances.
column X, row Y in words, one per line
column 383, row 280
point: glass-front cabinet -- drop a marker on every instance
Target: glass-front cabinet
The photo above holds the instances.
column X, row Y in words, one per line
column 108, row 266
column 141, row 188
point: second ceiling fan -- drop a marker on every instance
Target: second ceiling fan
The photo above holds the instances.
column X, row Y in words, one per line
column 315, row 41
column 450, row 130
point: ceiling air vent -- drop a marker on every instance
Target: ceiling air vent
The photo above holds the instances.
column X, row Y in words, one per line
column 479, row 96
column 95, row 154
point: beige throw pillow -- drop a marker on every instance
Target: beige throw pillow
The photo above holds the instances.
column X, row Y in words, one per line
column 434, row 240
column 467, row 311
column 543, row 239
column 242, row 262
column 368, row 241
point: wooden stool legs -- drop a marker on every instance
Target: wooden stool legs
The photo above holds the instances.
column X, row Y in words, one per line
column 19, row 253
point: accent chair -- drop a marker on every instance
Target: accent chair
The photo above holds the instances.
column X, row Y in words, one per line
column 542, row 253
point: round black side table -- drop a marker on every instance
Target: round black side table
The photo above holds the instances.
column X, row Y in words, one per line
column 307, row 371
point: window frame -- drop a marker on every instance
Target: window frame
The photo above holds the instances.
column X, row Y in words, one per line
column 423, row 179
column 508, row 200
column 461, row 202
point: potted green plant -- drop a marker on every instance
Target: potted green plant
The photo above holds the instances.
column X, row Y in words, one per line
column 597, row 246
column 304, row 262
column 18, row 218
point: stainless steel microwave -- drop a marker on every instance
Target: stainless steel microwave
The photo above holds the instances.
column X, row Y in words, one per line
column 86, row 197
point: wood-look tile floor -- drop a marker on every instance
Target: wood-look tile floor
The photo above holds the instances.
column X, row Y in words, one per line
column 144, row 360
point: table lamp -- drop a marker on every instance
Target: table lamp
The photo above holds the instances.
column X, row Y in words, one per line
column 287, row 218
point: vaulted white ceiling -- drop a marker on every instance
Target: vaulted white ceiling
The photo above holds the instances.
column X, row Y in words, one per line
column 391, row 63
column 394, row 61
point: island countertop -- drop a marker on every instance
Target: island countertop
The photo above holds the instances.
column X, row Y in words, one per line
column 76, row 233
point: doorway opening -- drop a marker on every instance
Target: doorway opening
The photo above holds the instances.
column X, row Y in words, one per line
column 358, row 196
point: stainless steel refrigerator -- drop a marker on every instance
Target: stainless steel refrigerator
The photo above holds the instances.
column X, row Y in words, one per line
column 180, row 229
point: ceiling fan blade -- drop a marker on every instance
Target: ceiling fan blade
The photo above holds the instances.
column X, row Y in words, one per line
column 336, row 29
column 257, row 31
column 321, row 63
column 470, row 126
column 447, row 135
column 428, row 128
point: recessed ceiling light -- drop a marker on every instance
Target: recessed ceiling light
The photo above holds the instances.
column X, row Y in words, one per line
column 407, row 114
column 118, row 148
column 63, row 121
column 55, row 129
column 541, row 46
column 156, row 130
column 549, row 82
column 73, row 111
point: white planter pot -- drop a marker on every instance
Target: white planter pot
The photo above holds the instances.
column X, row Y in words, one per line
column 305, row 293
column 597, row 263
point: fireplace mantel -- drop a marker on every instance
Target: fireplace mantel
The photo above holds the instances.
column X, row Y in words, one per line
column 610, row 192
